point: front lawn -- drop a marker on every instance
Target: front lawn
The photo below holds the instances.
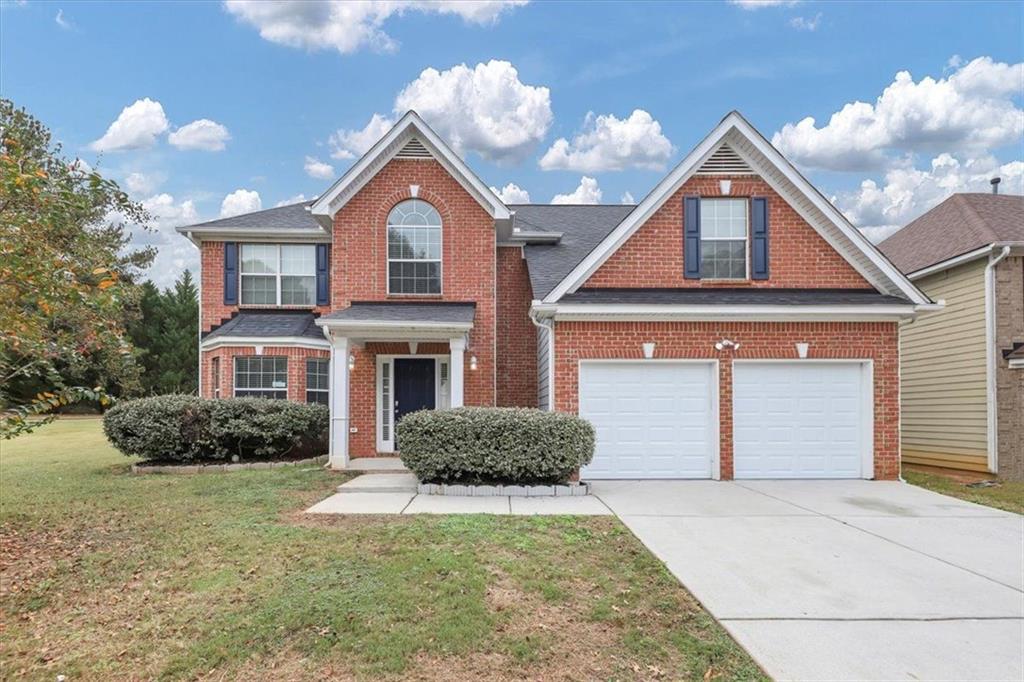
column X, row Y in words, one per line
column 1007, row 495
column 108, row 575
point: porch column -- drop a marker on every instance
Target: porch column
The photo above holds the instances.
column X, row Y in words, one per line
column 339, row 402
column 456, row 369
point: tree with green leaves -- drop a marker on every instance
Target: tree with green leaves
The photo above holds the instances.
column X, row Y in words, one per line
column 66, row 275
column 165, row 335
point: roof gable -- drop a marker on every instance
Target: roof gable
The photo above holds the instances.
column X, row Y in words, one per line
column 411, row 137
column 958, row 225
column 753, row 149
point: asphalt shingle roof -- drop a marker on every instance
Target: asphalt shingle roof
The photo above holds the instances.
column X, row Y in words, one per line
column 290, row 217
column 269, row 324
column 582, row 229
column 408, row 312
column 745, row 296
column 960, row 224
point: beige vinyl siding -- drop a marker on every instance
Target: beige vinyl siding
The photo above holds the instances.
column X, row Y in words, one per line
column 942, row 372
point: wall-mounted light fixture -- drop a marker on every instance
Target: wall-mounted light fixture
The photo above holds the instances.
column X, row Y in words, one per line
column 472, row 363
column 725, row 186
column 351, row 362
column 727, row 344
column 649, row 349
column 801, row 349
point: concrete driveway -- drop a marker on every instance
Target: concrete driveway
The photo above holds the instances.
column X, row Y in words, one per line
column 842, row 580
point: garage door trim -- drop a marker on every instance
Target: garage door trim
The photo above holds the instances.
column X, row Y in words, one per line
column 715, row 418
column 867, row 461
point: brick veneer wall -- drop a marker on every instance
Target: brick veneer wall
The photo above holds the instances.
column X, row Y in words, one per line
column 516, row 335
column 798, row 256
column 877, row 341
column 296, row 368
column 1009, row 296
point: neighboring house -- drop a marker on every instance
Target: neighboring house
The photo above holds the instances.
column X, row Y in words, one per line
column 731, row 325
column 962, row 369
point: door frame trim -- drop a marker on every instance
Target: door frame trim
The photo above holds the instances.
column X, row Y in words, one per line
column 714, row 368
column 389, row 445
column 867, row 400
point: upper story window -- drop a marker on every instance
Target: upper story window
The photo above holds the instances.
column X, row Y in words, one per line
column 278, row 274
column 414, row 248
column 723, row 238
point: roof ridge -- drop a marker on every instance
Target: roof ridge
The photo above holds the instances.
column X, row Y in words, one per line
column 978, row 224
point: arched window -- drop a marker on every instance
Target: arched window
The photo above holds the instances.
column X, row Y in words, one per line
column 414, row 248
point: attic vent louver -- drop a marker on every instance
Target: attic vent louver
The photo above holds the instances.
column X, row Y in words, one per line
column 414, row 149
column 725, row 161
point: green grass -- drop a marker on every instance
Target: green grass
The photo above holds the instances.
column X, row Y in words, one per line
column 1006, row 495
column 109, row 575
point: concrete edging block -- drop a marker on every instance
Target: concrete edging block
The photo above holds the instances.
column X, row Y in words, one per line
column 459, row 490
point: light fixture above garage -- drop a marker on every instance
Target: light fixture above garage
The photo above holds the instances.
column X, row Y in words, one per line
column 726, row 344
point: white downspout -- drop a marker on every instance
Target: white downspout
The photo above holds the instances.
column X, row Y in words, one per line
column 549, row 325
column 990, row 357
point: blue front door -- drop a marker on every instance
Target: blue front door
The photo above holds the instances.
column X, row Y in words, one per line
column 415, row 387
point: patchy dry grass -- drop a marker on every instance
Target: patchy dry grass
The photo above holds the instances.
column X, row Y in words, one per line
column 1006, row 495
column 106, row 575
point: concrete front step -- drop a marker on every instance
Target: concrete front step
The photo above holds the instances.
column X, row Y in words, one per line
column 376, row 464
column 380, row 483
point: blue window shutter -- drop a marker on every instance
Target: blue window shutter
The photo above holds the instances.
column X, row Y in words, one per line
column 230, row 273
column 322, row 279
column 759, row 237
column 691, row 237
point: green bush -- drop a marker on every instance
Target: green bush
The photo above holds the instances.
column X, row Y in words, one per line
column 494, row 445
column 183, row 428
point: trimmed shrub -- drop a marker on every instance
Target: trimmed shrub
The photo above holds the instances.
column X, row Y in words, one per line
column 494, row 445
column 183, row 428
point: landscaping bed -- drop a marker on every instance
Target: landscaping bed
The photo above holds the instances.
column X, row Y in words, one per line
column 104, row 575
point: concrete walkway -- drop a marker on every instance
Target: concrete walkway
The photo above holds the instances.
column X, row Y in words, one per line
column 395, row 493
column 842, row 580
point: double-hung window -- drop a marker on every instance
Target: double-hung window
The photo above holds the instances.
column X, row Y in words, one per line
column 414, row 248
column 278, row 274
column 259, row 376
column 316, row 380
column 723, row 238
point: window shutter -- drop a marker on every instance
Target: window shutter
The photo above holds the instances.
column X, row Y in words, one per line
column 759, row 237
column 691, row 237
column 230, row 273
column 322, row 278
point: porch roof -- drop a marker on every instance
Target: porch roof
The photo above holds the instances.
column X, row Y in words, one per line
column 408, row 319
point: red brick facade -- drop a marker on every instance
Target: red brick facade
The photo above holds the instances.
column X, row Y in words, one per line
column 799, row 257
column 517, row 337
column 876, row 341
column 226, row 354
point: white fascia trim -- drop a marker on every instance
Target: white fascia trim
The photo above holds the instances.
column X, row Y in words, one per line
column 962, row 258
column 382, row 324
column 765, row 313
column 671, row 183
column 272, row 341
column 353, row 178
column 248, row 234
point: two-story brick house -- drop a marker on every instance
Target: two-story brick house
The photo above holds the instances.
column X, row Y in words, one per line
column 731, row 324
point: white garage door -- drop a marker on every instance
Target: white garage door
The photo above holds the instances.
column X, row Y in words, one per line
column 653, row 419
column 799, row 420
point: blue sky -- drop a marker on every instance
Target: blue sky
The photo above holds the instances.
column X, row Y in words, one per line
column 285, row 95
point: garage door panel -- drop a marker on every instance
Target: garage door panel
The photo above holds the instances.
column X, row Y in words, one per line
column 652, row 420
column 798, row 420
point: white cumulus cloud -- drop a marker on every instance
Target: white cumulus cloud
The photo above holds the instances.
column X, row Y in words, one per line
column 240, row 201
column 970, row 111
column 348, row 26
column 485, row 109
column 203, row 134
column 608, row 143
column 587, row 193
column 175, row 254
column 136, row 127
column 761, row 4
column 512, row 194
column 805, row 23
column 140, row 183
column 315, row 168
column 291, row 200
column 907, row 192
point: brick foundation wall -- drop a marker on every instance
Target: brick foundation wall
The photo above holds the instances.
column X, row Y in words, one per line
column 359, row 262
column 798, row 256
column 877, row 341
column 516, row 336
column 1009, row 294
column 296, row 368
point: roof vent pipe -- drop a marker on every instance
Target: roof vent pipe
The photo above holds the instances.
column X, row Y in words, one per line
column 995, row 185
